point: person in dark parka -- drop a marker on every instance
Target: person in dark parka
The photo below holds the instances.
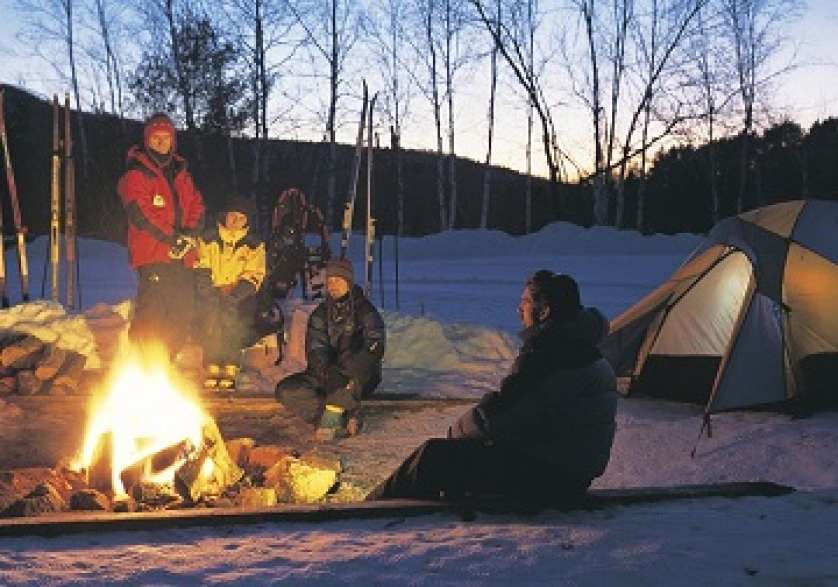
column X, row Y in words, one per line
column 344, row 349
column 547, row 432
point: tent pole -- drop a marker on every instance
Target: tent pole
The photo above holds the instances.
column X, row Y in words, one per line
column 705, row 423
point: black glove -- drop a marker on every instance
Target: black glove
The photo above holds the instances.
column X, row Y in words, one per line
column 181, row 246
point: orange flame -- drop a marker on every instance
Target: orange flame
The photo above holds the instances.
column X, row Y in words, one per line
column 145, row 411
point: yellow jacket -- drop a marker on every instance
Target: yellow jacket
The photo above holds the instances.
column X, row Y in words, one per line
column 231, row 256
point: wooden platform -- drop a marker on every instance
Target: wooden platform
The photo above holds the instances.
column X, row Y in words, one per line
column 76, row 522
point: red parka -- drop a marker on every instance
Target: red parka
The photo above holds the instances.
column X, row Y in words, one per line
column 158, row 209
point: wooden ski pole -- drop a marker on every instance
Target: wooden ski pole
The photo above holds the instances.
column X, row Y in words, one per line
column 349, row 205
column 69, row 208
column 370, row 225
column 20, row 230
column 55, row 203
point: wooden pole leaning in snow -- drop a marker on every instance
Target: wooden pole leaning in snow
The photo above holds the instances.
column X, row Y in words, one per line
column 369, row 240
column 55, row 204
column 69, row 208
column 349, row 205
column 20, row 230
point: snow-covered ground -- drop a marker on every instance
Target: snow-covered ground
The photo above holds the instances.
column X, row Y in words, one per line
column 454, row 336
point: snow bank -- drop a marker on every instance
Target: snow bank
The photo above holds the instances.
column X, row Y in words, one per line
column 433, row 359
column 50, row 323
column 93, row 333
column 415, row 342
column 558, row 238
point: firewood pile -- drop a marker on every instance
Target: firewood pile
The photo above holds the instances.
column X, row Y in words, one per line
column 244, row 475
column 29, row 366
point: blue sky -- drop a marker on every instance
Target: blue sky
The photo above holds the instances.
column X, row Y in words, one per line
column 807, row 93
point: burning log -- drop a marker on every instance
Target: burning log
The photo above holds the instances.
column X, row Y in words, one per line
column 23, row 354
column 211, row 471
column 153, row 465
column 52, row 361
column 68, row 377
column 154, row 495
column 44, row 499
column 100, row 470
column 239, row 450
column 27, row 384
column 16, row 484
column 8, row 384
column 90, row 500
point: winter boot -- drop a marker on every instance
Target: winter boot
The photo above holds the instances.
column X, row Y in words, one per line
column 227, row 381
column 332, row 423
column 211, row 377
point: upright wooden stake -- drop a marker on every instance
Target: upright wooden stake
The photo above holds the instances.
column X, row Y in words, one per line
column 370, row 225
column 55, row 204
column 20, row 229
column 69, row 208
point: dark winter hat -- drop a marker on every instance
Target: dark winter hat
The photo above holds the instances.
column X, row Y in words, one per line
column 340, row 268
column 243, row 205
column 159, row 122
column 559, row 291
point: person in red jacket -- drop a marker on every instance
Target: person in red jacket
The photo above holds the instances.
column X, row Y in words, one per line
column 165, row 213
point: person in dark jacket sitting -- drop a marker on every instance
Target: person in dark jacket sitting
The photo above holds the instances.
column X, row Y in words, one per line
column 547, row 432
column 344, row 349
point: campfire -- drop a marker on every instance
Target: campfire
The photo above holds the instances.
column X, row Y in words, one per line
column 149, row 438
column 149, row 444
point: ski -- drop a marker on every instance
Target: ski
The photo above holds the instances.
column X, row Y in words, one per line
column 370, row 225
column 55, row 203
column 71, row 266
column 349, row 206
column 20, row 230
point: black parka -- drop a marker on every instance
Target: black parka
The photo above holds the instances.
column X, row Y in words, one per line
column 558, row 402
column 345, row 341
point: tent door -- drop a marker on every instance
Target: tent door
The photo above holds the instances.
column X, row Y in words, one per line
column 685, row 358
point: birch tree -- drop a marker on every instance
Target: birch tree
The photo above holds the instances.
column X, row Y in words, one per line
column 51, row 24
column 755, row 32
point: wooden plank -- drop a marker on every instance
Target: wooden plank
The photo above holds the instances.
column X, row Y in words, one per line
column 75, row 522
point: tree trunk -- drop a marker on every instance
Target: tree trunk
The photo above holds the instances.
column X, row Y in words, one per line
column 599, row 188
column 440, row 169
column 487, row 172
column 75, row 81
column 331, row 180
column 231, row 161
column 395, row 144
column 531, row 67
column 449, row 87
column 183, row 87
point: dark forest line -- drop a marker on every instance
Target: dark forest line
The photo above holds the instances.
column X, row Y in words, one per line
column 788, row 163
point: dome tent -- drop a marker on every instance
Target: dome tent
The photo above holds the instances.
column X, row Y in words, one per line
column 751, row 317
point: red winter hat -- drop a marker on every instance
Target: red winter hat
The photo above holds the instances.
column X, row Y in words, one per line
column 156, row 123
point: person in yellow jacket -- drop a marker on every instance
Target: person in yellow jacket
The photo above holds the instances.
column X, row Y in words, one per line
column 231, row 268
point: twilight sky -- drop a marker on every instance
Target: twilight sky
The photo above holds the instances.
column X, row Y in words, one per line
column 808, row 93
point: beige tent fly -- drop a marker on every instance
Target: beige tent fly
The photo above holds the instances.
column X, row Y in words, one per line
column 750, row 318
